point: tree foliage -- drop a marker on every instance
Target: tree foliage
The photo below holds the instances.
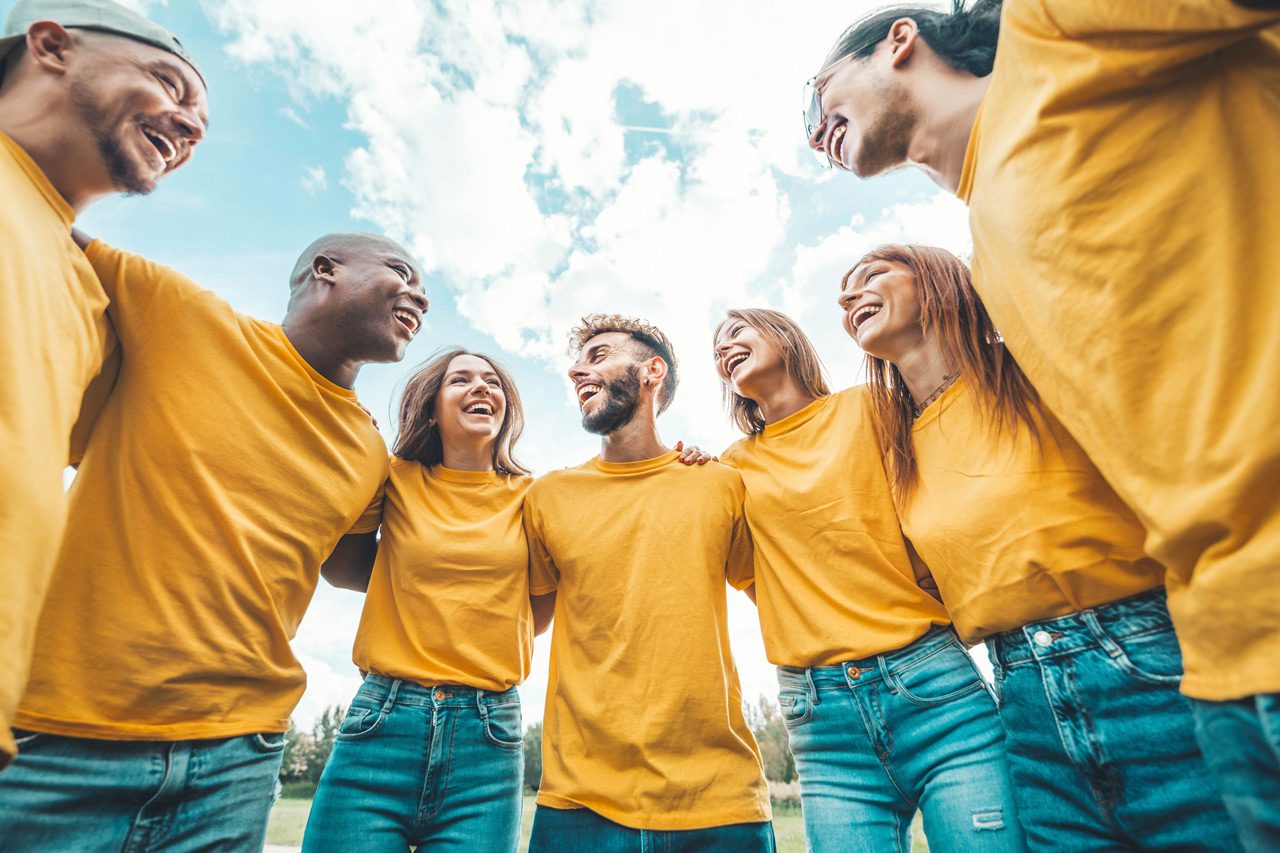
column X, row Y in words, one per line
column 770, row 731
column 533, row 755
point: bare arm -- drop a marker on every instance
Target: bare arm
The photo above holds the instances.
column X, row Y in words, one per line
column 544, row 607
column 351, row 563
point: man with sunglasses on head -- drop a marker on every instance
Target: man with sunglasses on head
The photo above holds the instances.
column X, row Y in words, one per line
column 94, row 100
column 1120, row 163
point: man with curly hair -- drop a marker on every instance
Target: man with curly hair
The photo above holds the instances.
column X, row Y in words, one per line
column 644, row 740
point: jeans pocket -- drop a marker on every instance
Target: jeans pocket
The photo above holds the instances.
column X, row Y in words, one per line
column 796, row 709
column 502, row 725
column 359, row 722
column 1153, row 658
column 940, row 677
column 268, row 742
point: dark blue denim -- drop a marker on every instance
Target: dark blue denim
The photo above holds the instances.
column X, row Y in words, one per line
column 112, row 796
column 1241, row 740
column 1101, row 743
column 424, row 766
column 876, row 740
column 584, row 831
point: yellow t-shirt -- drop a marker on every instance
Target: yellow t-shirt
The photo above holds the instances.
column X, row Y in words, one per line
column 1122, row 183
column 222, row 471
column 53, row 332
column 834, row 579
column 448, row 600
column 1016, row 530
column 643, row 720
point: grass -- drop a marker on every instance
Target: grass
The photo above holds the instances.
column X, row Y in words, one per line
column 289, row 817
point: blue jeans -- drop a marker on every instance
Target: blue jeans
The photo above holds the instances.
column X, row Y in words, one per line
column 1242, row 742
column 427, row 766
column 876, row 739
column 584, row 831
column 1101, row 743
column 113, row 796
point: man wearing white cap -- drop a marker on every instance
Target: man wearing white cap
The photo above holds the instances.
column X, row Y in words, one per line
column 94, row 100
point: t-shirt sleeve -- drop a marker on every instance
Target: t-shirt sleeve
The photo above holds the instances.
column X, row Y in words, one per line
column 143, row 293
column 740, row 568
column 371, row 518
column 544, row 577
column 1142, row 37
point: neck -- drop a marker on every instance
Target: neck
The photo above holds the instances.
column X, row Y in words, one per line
column 311, row 344
column 469, row 455
column 782, row 400
column 634, row 441
column 924, row 369
column 67, row 155
column 942, row 134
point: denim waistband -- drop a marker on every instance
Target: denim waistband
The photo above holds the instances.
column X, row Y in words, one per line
column 867, row 670
column 401, row 692
column 1139, row 614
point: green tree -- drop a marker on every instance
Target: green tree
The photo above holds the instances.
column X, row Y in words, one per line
column 770, row 731
column 323, row 733
column 297, row 746
column 533, row 755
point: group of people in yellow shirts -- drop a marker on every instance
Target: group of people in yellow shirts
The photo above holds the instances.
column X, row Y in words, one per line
column 1067, row 452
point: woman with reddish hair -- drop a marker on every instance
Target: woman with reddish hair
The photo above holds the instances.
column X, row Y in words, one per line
column 1034, row 554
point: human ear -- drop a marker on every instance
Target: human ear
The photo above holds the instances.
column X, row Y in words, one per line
column 323, row 268
column 902, row 40
column 49, row 43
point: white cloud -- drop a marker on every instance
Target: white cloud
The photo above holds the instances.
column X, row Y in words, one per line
column 314, row 180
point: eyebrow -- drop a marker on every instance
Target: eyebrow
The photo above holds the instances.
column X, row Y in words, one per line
column 487, row 374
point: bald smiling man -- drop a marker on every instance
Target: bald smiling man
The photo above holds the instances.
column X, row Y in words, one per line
column 228, row 460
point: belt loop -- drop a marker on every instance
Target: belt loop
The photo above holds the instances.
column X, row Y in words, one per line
column 884, row 673
column 391, row 695
column 1100, row 634
column 812, row 688
column 480, row 701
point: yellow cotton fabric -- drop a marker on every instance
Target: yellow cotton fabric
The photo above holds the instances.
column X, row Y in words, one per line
column 1016, row 530
column 222, row 471
column 643, row 720
column 835, row 580
column 53, row 331
column 1122, row 183
column 448, row 600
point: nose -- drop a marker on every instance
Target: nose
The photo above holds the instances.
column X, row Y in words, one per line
column 577, row 374
column 418, row 298
column 817, row 138
column 847, row 297
column 189, row 124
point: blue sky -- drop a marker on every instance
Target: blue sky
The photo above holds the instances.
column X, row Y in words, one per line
column 543, row 159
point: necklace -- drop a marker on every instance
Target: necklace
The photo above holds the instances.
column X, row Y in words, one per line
column 917, row 411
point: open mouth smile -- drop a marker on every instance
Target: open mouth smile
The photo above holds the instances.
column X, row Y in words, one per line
column 164, row 144
column 411, row 320
column 479, row 409
column 587, row 390
column 865, row 313
column 732, row 362
column 835, row 144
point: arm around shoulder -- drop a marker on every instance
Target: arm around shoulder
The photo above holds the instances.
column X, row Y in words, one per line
column 351, row 563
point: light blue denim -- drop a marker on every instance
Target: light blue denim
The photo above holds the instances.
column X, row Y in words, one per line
column 876, row 740
column 1241, row 739
column 1102, row 746
column 111, row 796
column 433, row 767
column 584, row 831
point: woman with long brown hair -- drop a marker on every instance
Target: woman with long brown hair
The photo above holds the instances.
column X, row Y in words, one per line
column 1034, row 554
column 885, row 710
column 430, row 750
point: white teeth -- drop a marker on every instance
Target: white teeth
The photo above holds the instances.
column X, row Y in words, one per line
column 865, row 313
column 732, row 363
column 408, row 317
column 585, row 392
column 479, row 409
column 170, row 151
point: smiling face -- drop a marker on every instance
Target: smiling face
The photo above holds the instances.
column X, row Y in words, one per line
column 379, row 299
column 748, row 361
column 606, row 380
column 881, row 308
column 471, row 404
column 868, row 116
column 146, row 108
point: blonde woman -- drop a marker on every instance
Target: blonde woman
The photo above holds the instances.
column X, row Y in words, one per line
column 430, row 751
column 1033, row 553
column 886, row 711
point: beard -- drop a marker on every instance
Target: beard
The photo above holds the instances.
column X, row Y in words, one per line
column 622, row 399
column 126, row 174
column 888, row 136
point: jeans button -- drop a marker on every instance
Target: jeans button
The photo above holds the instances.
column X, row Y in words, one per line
column 439, row 695
column 854, row 672
column 1042, row 638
